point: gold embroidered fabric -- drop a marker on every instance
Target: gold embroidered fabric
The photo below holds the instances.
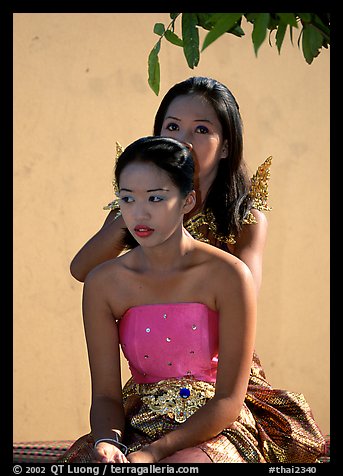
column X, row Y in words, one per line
column 177, row 398
column 274, row 426
column 202, row 226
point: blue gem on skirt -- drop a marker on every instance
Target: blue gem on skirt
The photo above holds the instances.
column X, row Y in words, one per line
column 185, row 392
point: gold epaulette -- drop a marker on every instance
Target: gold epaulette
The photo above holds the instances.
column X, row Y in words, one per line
column 259, row 190
column 259, row 185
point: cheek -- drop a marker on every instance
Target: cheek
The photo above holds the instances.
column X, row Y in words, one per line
column 173, row 210
column 208, row 152
column 125, row 211
column 167, row 133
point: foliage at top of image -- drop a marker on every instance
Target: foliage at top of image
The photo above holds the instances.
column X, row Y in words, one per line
column 313, row 28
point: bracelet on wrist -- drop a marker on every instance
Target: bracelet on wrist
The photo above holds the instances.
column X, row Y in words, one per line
column 123, row 448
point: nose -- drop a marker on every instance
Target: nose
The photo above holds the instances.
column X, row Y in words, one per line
column 141, row 212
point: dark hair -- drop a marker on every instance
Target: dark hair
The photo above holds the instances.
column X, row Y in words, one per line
column 228, row 197
column 165, row 153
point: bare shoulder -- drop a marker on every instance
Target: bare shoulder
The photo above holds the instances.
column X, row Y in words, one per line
column 231, row 283
column 106, row 273
column 252, row 236
column 260, row 225
column 260, row 217
column 223, row 265
column 261, row 220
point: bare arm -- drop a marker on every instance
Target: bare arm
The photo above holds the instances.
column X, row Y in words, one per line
column 236, row 344
column 250, row 246
column 104, row 245
column 107, row 414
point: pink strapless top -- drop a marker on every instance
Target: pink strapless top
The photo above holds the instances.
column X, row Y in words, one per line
column 163, row 341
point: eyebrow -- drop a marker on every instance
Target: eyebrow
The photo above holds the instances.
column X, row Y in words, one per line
column 195, row 120
column 148, row 191
column 158, row 190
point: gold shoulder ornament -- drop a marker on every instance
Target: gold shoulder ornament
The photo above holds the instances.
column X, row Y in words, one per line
column 258, row 193
column 259, row 190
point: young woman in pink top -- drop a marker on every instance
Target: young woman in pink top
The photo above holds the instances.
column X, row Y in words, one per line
column 204, row 114
column 184, row 314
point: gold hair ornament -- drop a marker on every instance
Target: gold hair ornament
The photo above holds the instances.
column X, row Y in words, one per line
column 119, row 151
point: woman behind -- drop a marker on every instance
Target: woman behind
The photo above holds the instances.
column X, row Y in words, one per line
column 202, row 113
column 195, row 394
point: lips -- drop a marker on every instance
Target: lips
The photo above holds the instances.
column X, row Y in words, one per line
column 143, row 231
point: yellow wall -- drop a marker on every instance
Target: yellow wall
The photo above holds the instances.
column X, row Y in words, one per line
column 80, row 84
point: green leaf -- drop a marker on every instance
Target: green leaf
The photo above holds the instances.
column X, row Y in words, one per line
column 159, row 29
column 190, row 38
column 173, row 38
column 312, row 41
column 324, row 29
column 288, row 19
column 306, row 17
column 251, row 17
column 237, row 31
column 225, row 22
column 174, row 15
column 206, row 20
column 260, row 30
column 154, row 69
column 280, row 35
column 273, row 22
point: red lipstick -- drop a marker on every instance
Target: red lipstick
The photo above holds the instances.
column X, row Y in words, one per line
column 143, row 231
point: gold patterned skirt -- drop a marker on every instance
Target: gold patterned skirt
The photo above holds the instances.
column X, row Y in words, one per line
column 274, row 426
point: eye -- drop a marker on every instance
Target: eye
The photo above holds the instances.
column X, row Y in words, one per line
column 172, row 126
column 126, row 199
column 202, row 130
column 155, row 198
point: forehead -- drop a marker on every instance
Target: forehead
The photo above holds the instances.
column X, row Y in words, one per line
column 192, row 106
column 144, row 175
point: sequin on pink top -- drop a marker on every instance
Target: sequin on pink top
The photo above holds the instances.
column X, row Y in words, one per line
column 163, row 341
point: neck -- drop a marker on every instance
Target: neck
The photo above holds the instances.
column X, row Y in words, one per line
column 202, row 186
column 170, row 255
